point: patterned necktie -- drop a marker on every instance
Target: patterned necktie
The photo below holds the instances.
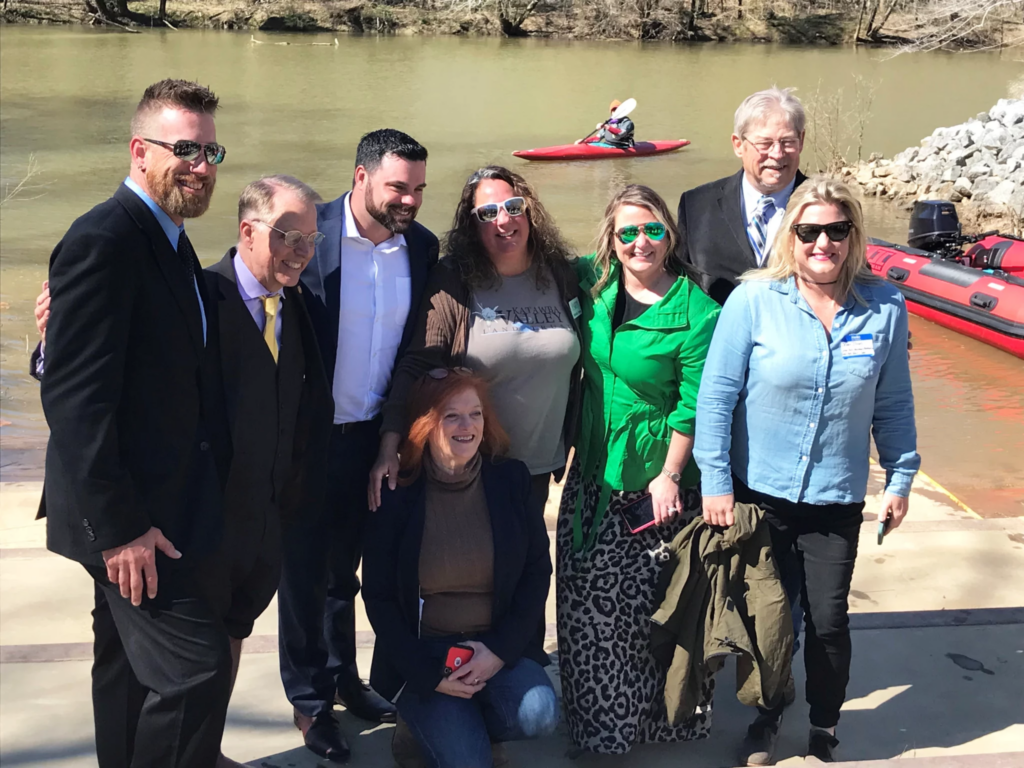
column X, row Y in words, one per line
column 187, row 254
column 270, row 306
column 762, row 215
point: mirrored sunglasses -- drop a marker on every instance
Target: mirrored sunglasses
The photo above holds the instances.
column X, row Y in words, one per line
column 293, row 237
column 190, row 150
column 837, row 231
column 488, row 212
column 654, row 230
column 443, row 373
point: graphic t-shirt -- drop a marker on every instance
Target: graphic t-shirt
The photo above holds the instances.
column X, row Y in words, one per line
column 522, row 341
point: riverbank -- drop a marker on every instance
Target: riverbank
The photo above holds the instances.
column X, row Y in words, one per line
column 978, row 164
column 794, row 22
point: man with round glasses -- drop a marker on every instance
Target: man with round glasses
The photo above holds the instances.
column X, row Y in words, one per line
column 728, row 225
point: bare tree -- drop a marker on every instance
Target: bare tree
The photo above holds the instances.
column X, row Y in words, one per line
column 953, row 23
column 19, row 190
column 513, row 13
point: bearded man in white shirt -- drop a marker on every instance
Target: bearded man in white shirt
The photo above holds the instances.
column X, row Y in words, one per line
column 362, row 289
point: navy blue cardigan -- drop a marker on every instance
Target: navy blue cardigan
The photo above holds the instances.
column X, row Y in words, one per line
column 391, row 589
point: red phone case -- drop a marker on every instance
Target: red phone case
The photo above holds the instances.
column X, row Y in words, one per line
column 457, row 656
column 639, row 515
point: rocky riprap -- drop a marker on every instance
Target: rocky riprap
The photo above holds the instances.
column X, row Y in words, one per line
column 979, row 163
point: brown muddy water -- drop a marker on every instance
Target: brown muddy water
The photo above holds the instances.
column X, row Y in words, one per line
column 66, row 95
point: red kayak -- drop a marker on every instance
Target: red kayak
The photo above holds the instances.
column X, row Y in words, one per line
column 983, row 302
column 593, row 152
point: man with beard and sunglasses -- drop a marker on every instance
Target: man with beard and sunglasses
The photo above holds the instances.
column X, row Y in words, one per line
column 138, row 440
column 362, row 289
column 727, row 226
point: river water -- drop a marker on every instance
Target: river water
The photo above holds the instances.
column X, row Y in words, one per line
column 66, row 96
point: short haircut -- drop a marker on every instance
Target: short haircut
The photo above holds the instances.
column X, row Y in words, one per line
column 757, row 107
column 374, row 146
column 174, row 94
column 257, row 199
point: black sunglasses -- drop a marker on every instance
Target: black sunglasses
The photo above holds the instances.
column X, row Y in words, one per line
column 184, row 149
column 837, row 231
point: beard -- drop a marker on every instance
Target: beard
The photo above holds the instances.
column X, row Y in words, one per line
column 168, row 195
column 394, row 218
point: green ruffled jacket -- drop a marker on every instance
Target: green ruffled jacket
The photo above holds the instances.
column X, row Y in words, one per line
column 640, row 382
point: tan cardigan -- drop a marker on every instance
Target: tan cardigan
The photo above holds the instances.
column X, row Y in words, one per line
column 442, row 336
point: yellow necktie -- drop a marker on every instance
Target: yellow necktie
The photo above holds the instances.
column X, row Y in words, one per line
column 270, row 305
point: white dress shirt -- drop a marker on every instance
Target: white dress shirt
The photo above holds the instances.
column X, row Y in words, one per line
column 376, row 294
column 748, row 199
column 252, row 292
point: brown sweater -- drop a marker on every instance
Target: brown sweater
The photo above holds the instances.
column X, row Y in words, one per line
column 457, row 553
column 442, row 336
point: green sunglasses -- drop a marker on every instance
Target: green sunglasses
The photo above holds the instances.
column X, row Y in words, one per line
column 654, row 230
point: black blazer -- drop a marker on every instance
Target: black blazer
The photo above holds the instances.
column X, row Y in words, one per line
column 296, row 388
column 322, row 280
column 714, row 234
column 391, row 589
column 131, row 394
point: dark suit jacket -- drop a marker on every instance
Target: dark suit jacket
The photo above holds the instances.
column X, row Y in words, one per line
column 322, row 280
column 391, row 589
column 293, row 467
column 713, row 233
column 131, row 394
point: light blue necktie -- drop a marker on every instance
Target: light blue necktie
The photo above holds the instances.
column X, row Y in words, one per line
column 762, row 214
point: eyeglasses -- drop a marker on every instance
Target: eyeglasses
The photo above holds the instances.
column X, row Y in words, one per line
column 190, row 150
column 488, row 212
column 294, row 237
column 654, row 230
column 764, row 146
column 442, row 373
column 837, row 231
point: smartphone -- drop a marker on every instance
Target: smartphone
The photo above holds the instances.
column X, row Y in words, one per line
column 457, row 656
column 883, row 526
column 639, row 514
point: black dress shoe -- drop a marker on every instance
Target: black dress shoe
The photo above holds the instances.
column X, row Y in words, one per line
column 324, row 739
column 365, row 703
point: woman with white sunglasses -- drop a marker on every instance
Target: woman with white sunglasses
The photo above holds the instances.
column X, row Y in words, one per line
column 504, row 302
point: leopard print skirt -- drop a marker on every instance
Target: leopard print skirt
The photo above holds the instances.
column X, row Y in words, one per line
column 612, row 687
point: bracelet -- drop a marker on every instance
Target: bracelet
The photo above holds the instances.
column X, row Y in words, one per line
column 675, row 477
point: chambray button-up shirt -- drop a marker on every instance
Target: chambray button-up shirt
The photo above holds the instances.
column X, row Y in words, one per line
column 791, row 412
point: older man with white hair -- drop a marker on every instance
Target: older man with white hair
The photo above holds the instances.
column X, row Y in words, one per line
column 728, row 225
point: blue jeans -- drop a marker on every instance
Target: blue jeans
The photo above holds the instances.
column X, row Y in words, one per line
column 517, row 703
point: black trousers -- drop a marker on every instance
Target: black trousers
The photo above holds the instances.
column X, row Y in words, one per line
column 540, row 488
column 820, row 539
column 161, row 674
column 316, row 597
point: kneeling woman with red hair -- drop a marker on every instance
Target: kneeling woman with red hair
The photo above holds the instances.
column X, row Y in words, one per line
column 456, row 568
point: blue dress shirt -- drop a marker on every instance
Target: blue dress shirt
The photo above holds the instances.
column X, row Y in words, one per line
column 791, row 412
column 173, row 232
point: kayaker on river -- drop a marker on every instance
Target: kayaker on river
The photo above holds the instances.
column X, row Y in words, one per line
column 613, row 132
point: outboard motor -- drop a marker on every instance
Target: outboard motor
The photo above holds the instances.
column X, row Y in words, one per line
column 935, row 227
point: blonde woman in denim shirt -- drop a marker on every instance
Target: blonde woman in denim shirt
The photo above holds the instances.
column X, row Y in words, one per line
column 808, row 361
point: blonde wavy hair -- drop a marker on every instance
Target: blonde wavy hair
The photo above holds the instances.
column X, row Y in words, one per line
column 820, row 190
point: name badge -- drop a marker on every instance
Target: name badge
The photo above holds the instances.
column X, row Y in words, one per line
column 574, row 307
column 857, row 345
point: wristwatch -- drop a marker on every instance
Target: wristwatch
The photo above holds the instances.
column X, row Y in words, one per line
column 675, row 477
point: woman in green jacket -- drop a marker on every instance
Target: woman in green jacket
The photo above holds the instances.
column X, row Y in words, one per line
column 646, row 329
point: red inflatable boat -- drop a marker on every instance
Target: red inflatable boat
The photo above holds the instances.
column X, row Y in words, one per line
column 982, row 298
column 593, row 152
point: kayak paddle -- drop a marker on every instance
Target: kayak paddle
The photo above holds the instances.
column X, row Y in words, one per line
column 621, row 111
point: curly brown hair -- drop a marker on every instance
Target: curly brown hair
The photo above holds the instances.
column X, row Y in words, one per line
column 462, row 242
